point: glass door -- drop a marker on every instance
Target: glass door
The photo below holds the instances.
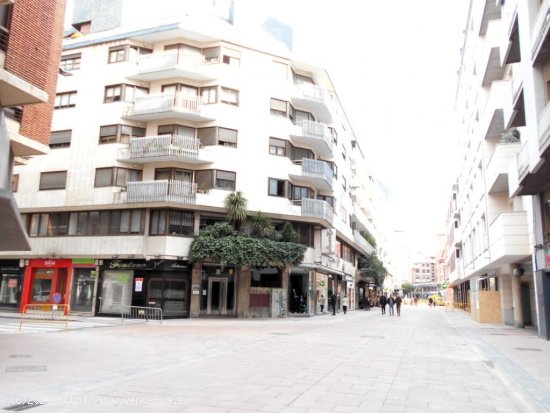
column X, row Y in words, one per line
column 10, row 289
column 42, row 284
column 82, row 290
column 217, row 296
column 116, row 291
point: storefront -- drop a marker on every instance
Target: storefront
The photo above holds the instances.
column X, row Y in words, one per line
column 47, row 282
column 11, row 285
column 83, row 285
column 156, row 283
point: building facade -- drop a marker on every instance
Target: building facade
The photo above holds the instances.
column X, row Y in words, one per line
column 30, row 45
column 496, row 213
column 154, row 125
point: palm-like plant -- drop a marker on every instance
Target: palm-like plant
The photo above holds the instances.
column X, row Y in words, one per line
column 261, row 226
column 235, row 204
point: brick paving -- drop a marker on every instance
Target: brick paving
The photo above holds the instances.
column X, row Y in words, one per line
column 427, row 360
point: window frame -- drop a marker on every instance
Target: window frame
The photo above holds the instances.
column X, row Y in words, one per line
column 60, row 97
column 64, row 143
column 62, row 174
column 115, row 178
column 118, row 135
column 70, row 62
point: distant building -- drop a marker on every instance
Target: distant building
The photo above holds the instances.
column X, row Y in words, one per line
column 423, row 277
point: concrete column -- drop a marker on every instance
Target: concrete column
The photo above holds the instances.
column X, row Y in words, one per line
column 195, row 306
column 516, row 299
column 243, row 292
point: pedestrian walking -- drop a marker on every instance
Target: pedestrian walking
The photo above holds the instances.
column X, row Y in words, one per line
column 398, row 305
column 383, row 300
column 332, row 302
column 391, row 303
column 322, row 302
column 345, row 303
column 366, row 303
column 430, row 301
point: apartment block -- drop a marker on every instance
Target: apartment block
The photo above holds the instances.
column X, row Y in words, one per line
column 496, row 248
column 155, row 123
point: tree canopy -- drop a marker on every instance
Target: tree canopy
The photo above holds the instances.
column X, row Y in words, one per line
column 371, row 266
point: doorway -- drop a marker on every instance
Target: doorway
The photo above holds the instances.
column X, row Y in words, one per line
column 217, row 294
column 526, row 304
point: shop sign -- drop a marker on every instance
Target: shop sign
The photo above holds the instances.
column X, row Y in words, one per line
column 139, row 285
column 83, row 262
column 11, row 266
column 12, row 283
column 196, row 290
column 160, row 265
column 126, row 265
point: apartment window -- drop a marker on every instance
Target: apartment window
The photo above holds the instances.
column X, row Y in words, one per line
column 172, row 222
column 300, row 192
column 301, row 116
column 14, row 112
column 297, row 154
column 278, row 107
column 344, row 183
column 53, row 180
column 217, row 136
column 209, row 220
column 65, row 100
column 60, row 139
column 225, row 180
column 334, row 135
column 176, row 174
column 126, row 53
column 209, row 95
column 230, row 96
column 211, row 55
column 277, row 187
column 277, row 147
column 14, row 182
column 126, row 93
column 231, row 57
column 70, row 62
column 115, row 176
column 301, row 79
column 328, row 199
column 119, row 133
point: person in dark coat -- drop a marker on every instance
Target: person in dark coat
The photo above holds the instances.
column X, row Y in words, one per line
column 332, row 302
column 398, row 302
column 383, row 301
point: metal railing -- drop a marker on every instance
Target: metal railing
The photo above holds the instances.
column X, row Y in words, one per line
column 156, row 62
column 162, row 191
column 162, row 103
column 317, row 208
column 132, row 312
column 164, row 145
column 45, row 313
column 314, row 168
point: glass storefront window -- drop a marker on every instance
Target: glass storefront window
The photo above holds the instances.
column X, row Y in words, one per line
column 82, row 290
column 41, row 290
column 10, row 289
column 116, row 291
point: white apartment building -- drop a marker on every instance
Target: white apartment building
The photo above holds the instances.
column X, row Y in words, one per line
column 497, row 211
column 155, row 124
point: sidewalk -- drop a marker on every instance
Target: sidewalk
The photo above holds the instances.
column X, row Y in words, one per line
column 428, row 360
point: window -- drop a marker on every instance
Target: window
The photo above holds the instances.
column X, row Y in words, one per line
column 14, row 183
column 176, row 130
column 266, row 277
column 176, row 174
column 229, row 96
column 127, row 93
column 225, row 180
column 297, row 154
column 300, row 192
column 328, row 199
column 86, row 223
column 231, row 57
column 300, row 116
column 301, row 79
column 344, row 154
column 126, row 52
column 204, row 178
column 60, row 139
column 70, row 62
column 277, row 147
column 217, row 136
column 344, row 183
column 53, row 180
column 172, row 222
column 334, row 135
column 277, row 187
column 209, row 220
column 278, row 107
column 115, row 176
column 65, row 100
column 119, row 133
column 212, row 55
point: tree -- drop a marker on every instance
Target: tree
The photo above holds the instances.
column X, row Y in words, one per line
column 371, row 266
column 407, row 288
column 261, row 226
column 235, row 204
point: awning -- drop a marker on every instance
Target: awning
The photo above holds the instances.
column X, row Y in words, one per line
column 322, row 269
column 13, row 236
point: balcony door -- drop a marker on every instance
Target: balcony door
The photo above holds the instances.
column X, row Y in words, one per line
column 173, row 174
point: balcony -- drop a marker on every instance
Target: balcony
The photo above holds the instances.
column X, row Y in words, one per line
column 314, row 99
column 167, row 106
column 363, row 243
column 317, row 208
column 163, row 148
column 509, row 238
column 490, row 63
column 314, row 135
column 315, row 173
column 544, row 132
column 173, row 64
column 496, row 175
column 490, row 11
column 492, row 121
column 162, row 191
column 540, row 47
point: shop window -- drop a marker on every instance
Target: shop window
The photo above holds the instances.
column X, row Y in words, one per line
column 266, row 277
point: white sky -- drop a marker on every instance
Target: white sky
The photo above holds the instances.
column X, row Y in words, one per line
column 394, row 66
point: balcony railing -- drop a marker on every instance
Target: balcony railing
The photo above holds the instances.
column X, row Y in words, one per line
column 171, row 64
column 317, row 208
column 165, row 105
column 316, row 135
column 163, row 146
column 318, row 171
column 162, row 191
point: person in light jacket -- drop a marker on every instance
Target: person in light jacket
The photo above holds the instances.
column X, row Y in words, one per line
column 345, row 303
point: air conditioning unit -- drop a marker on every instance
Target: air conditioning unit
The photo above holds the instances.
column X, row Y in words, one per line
column 6, row 2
